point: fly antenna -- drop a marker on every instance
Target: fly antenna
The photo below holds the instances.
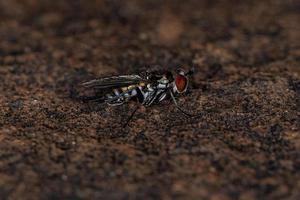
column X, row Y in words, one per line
column 190, row 72
column 180, row 109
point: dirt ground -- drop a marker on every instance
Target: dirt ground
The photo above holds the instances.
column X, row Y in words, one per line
column 246, row 144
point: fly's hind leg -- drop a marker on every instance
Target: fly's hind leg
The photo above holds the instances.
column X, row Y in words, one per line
column 115, row 103
column 131, row 116
column 139, row 97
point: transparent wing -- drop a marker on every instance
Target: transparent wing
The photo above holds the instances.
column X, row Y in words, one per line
column 114, row 81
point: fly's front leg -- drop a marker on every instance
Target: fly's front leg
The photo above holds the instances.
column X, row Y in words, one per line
column 180, row 109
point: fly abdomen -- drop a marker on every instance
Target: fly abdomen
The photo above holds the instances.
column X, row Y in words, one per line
column 115, row 98
column 117, row 92
column 122, row 95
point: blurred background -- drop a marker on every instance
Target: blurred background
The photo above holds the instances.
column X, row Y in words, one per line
column 246, row 56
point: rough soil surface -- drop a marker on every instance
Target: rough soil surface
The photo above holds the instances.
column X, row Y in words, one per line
column 246, row 55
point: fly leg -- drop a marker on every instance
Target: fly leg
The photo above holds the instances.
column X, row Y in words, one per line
column 180, row 109
column 137, row 92
column 131, row 116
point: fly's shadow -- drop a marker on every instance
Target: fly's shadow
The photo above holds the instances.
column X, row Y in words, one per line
column 68, row 87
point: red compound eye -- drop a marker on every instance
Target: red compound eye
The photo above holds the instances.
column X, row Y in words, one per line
column 181, row 83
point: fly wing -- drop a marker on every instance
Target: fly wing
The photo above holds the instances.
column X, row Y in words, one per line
column 114, row 82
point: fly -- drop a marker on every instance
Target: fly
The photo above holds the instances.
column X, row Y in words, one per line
column 148, row 89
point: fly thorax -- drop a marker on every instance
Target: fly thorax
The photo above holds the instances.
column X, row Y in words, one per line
column 149, row 87
column 163, row 83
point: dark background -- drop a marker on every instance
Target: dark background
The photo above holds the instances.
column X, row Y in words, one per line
column 247, row 86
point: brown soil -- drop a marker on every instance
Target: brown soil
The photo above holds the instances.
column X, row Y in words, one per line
column 246, row 55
